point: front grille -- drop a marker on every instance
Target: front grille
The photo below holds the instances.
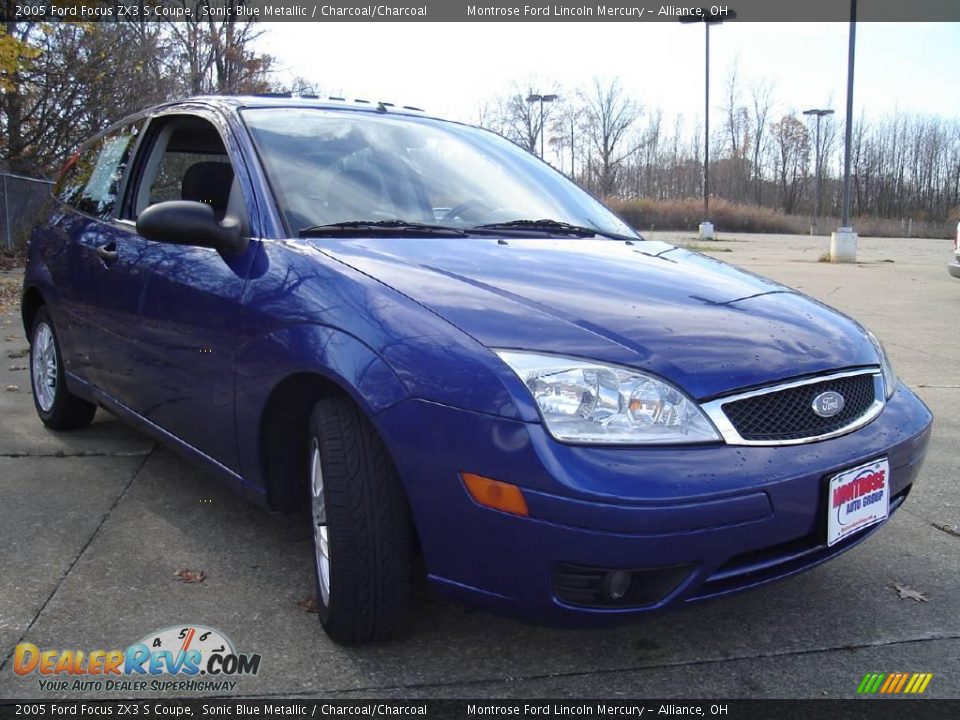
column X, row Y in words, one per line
column 788, row 414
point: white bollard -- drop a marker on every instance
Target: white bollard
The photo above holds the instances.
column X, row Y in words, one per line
column 843, row 246
column 706, row 230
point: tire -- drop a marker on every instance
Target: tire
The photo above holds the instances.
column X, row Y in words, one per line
column 58, row 408
column 363, row 534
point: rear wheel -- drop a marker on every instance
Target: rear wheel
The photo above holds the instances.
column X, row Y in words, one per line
column 58, row 408
column 362, row 532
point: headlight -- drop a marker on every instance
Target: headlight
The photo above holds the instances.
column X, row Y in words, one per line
column 588, row 402
column 889, row 376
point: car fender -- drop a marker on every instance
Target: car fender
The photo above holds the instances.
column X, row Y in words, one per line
column 328, row 353
column 39, row 290
column 297, row 283
column 37, row 279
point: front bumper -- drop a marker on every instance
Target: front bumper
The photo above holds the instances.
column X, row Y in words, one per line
column 733, row 517
column 954, row 268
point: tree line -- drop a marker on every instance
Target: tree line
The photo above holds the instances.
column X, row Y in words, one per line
column 62, row 82
column 903, row 165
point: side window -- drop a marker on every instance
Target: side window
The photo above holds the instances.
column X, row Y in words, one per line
column 187, row 160
column 91, row 181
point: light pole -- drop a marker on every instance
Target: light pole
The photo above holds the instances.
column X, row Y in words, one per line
column 843, row 243
column 708, row 18
column 819, row 114
column 534, row 97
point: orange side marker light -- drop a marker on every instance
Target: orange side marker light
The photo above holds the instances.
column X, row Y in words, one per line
column 495, row 494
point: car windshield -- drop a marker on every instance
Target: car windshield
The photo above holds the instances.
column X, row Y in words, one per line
column 331, row 167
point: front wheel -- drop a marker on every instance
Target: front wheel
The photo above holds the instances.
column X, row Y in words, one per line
column 362, row 532
column 58, row 408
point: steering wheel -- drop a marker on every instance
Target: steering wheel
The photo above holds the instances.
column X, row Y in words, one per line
column 462, row 210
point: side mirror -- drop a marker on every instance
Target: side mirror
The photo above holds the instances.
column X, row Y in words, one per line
column 184, row 222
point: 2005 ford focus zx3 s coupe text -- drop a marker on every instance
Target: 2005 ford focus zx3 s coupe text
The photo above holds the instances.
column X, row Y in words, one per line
column 455, row 359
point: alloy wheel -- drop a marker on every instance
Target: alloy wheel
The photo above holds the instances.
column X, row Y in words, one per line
column 321, row 542
column 44, row 365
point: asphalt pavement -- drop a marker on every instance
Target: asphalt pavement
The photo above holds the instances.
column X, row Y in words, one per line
column 95, row 524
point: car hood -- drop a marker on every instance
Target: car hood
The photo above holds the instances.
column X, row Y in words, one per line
column 700, row 323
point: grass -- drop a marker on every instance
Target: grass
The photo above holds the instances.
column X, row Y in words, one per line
column 700, row 247
column 646, row 214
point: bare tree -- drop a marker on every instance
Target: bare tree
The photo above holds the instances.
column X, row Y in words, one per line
column 609, row 113
column 829, row 148
column 792, row 143
column 488, row 115
column 298, row 85
column 650, row 182
column 515, row 117
column 761, row 94
column 566, row 134
column 736, row 140
column 217, row 56
column 521, row 119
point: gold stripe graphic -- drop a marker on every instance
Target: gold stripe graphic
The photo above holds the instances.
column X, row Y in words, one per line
column 888, row 682
column 903, row 679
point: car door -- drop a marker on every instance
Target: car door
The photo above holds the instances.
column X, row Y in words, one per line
column 94, row 259
column 188, row 306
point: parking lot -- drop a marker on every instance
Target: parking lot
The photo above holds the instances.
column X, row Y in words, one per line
column 95, row 524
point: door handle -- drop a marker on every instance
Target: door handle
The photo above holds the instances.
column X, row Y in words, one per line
column 108, row 253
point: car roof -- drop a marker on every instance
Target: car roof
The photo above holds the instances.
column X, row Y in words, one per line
column 285, row 100
column 233, row 103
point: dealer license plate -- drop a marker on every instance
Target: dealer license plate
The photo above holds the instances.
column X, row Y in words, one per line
column 858, row 498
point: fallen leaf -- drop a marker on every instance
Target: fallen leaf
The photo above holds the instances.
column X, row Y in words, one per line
column 12, row 388
column 908, row 593
column 190, row 576
column 309, row 605
column 949, row 529
column 8, row 338
column 18, row 353
column 18, row 367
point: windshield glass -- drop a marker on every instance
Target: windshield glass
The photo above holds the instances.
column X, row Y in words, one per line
column 333, row 167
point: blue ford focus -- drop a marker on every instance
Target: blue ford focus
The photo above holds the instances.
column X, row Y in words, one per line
column 455, row 359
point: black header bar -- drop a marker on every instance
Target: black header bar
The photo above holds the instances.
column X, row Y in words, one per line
column 872, row 709
column 477, row 10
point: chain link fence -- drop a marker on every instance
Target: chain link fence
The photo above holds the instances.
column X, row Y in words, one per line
column 21, row 200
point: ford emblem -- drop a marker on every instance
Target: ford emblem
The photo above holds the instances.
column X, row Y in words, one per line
column 828, row 404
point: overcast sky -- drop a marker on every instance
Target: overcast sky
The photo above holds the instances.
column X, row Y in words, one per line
column 449, row 68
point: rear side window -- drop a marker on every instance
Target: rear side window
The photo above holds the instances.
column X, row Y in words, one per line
column 91, row 181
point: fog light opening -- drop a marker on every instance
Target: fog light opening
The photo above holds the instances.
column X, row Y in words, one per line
column 601, row 587
column 616, row 584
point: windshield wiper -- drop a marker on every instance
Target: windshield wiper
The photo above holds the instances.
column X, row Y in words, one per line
column 361, row 228
column 554, row 226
